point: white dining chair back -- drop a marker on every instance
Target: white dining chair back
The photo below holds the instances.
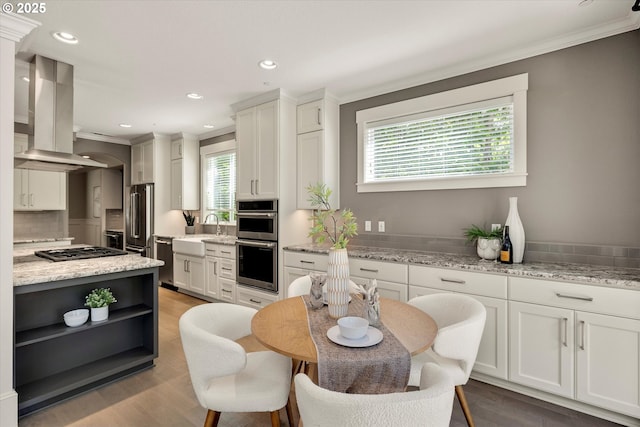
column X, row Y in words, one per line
column 224, row 377
column 302, row 286
column 460, row 319
column 431, row 406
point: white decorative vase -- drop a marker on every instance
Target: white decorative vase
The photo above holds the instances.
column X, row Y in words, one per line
column 99, row 314
column 516, row 231
column 488, row 248
column 338, row 283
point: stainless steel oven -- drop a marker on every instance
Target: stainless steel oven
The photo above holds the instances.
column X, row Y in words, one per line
column 257, row 244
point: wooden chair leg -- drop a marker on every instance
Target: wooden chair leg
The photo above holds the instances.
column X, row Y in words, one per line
column 275, row 418
column 212, row 418
column 289, row 412
column 465, row 406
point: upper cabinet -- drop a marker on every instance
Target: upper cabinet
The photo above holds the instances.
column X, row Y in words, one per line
column 35, row 190
column 318, row 150
column 185, row 166
column 257, row 135
column 142, row 162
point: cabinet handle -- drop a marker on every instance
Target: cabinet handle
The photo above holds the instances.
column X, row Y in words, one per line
column 458, row 281
column 252, row 186
column 257, row 190
column 319, row 116
column 184, row 265
column 559, row 295
column 306, row 262
column 255, row 301
column 566, row 330
column 31, row 199
column 226, row 269
column 226, row 291
column 582, row 335
column 180, row 150
column 225, row 252
column 370, row 270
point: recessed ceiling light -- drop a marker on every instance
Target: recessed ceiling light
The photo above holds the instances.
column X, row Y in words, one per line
column 209, row 126
column 194, row 95
column 267, row 64
column 65, row 37
column 26, row 79
column 124, row 125
column 86, row 157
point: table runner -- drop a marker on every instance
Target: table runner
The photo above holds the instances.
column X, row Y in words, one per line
column 382, row 368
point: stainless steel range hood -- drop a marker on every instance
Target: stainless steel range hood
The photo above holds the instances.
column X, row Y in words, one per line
column 51, row 120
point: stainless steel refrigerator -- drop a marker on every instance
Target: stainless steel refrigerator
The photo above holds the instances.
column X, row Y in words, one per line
column 140, row 220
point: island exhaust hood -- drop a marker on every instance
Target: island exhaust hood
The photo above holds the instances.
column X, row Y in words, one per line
column 51, row 120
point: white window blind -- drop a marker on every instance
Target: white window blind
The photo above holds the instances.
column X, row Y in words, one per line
column 474, row 139
column 221, row 182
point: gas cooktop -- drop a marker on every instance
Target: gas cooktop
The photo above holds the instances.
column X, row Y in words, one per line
column 79, row 253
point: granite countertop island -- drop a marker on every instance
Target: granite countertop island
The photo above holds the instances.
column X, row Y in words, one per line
column 30, row 269
column 598, row 275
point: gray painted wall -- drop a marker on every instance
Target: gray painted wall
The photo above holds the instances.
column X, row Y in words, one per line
column 583, row 154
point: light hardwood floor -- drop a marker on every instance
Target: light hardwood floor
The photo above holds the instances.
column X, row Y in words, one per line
column 163, row 396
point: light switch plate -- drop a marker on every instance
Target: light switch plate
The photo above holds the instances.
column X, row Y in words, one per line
column 381, row 226
column 367, row 226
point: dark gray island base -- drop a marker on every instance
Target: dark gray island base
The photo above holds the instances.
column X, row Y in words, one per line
column 54, row 362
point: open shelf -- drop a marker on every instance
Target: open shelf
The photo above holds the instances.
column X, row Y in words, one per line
column 32, row 336
column 41, row 392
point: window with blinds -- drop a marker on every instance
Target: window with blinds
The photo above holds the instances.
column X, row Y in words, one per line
column 220, row 184
column 473, row 144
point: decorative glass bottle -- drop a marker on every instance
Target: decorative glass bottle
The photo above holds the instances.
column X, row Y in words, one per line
column 516, row 230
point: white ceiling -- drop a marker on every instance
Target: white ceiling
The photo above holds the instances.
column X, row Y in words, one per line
column 136, row 60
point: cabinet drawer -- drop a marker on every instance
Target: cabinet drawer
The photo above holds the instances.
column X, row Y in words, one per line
column 391, row 272
column 306, row 261
column 594, row 299
column 227, row 268
column 489, row 285
column 227, row 290
column 220, row 251
column 253, row 298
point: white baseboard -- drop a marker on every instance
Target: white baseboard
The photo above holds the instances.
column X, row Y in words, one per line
column 9, row 409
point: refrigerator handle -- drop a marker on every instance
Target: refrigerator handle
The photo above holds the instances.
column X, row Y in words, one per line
column 133, row 214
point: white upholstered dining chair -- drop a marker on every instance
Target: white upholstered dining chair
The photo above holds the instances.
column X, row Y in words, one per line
column 302, row 286
column 225, row 378
column 429, row 407
column 460, row 319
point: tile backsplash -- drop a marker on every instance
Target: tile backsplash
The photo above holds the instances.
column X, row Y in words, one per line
column 40, row 224
column 618, row 256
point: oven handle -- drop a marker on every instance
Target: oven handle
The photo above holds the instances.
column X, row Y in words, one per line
column 256, row 244
column 257, row 214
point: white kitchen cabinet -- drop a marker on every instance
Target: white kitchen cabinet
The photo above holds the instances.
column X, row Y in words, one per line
column 254, row 298
column 185, row 177
column 142, row 162
column 491, row 291
column 39, row 190
column 227, row 290
column 220, row 272
column 212, row 285
column 257, row 135
column 391, row 278
column 318, row 150
column 189, row 272
column 577, row 341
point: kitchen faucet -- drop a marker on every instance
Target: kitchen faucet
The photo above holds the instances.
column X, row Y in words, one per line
column 206, row 221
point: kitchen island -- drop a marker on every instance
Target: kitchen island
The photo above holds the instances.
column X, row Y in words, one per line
column 54, row 362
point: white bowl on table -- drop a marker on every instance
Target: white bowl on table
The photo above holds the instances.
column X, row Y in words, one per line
column 352, row 327
column 77, row 317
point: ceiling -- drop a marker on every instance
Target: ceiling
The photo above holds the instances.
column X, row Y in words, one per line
column 136, row 60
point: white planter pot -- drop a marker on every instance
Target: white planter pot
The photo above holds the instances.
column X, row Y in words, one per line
column 99, row 314
column 338, row 283
column 488, row 248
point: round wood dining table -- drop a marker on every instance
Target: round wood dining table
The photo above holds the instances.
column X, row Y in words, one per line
column 283, row 327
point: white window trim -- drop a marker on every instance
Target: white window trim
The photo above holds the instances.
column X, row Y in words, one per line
column 218, row 148
column 515, row 86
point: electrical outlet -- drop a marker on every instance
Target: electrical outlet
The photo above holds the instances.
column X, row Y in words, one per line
column 367, row 226
column 495, row 226
column 381, row 226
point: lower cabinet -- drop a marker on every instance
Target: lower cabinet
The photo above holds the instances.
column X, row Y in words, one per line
column 251, row 297
column 583, row 343
column 189, row 272
column 220, row 272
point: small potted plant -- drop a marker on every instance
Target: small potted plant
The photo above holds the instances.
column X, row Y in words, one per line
column 98, row 301
column 191, row 222
column 487, row 242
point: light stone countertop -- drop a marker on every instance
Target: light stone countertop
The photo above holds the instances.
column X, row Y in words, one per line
column 41, row 239
column 29, row 269
column 598, row 275
column 206, row 238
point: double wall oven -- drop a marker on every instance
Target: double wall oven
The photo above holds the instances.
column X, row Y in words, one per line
column 257, row 244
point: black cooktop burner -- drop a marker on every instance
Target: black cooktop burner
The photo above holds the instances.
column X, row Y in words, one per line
column 79, row 253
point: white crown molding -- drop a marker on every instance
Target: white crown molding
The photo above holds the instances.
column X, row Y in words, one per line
column 15, row 27
column 102, row 138
column 629, row 23
column 217, row 132
column 261, row 99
